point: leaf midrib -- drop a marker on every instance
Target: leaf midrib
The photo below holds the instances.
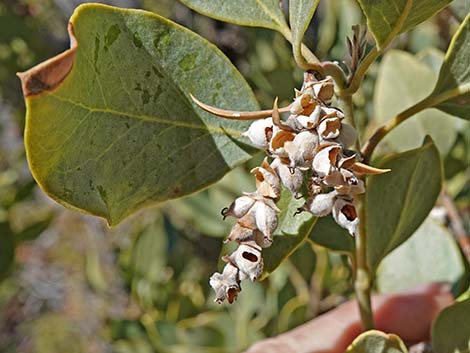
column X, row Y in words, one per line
column 400, row 22
column 149, row 118
column 297, row 40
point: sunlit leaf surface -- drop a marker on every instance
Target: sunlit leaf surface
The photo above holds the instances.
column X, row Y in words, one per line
column 388, row 18
column 452, row 91
column 110, row 126
column 398, row 202
column 253, row 13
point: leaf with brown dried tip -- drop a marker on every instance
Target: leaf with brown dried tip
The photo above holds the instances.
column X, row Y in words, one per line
column 49, row 74
column 110, row 127
column 237, row 115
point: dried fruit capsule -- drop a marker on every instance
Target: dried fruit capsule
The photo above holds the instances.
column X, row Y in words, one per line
column 345, row 215
column 320, row 205
column 260, row 132
column 267, row 181
column 226, row 284
column 266, row 219
column 291, row 178
column 325, row 160
column 239, row 207
column 247, row 258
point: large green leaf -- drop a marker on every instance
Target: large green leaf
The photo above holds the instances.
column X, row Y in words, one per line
column 408, row 266
column 404, row 80
column 452, row 91
column 253, row 13
column 300, row 15
column 388, row 18
column 331, row 236
column 398, row 202
column 377, row 342
column 290, row 233
column 451, row 330
column 110, row 126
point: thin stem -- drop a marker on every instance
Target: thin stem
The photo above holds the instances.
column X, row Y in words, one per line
column 362, row 282
column 456, row 223
column 370, row 145
column 309, row 55
column 336, row 72
column 307, row 60
column 428, row 102
column 148, row 321
column 304, row 57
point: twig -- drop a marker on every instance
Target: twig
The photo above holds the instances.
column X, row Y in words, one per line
column 363, row 277
column 456, row 223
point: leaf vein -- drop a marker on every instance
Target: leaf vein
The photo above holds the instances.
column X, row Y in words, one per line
column 151, row 119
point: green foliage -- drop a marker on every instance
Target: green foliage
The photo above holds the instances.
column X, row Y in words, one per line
column 137, row 139
column 300, row 15
column 402, row 81
column 430, row 255
column 451, row 330
column 452, row 91
column 33, row 231
column 330, row 235
column 290, row 233
column 120, row 132
column 398, row 202
column 377, row 342
column 7, row 250
column 254, row 13
column 388, row 18
column 53, row 333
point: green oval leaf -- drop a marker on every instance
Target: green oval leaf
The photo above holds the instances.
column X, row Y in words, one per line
column 377, row 342
column 398, row 202
column 451, row 330
column 404, row 80
column 110, row 126
column 300, row 15
column 410, row 265
column 452, row 91
column 329, row 234
column 388, row 18
column 253, row 13
column 290, row 233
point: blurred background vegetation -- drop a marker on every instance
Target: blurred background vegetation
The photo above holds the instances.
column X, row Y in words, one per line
column 70, row 284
